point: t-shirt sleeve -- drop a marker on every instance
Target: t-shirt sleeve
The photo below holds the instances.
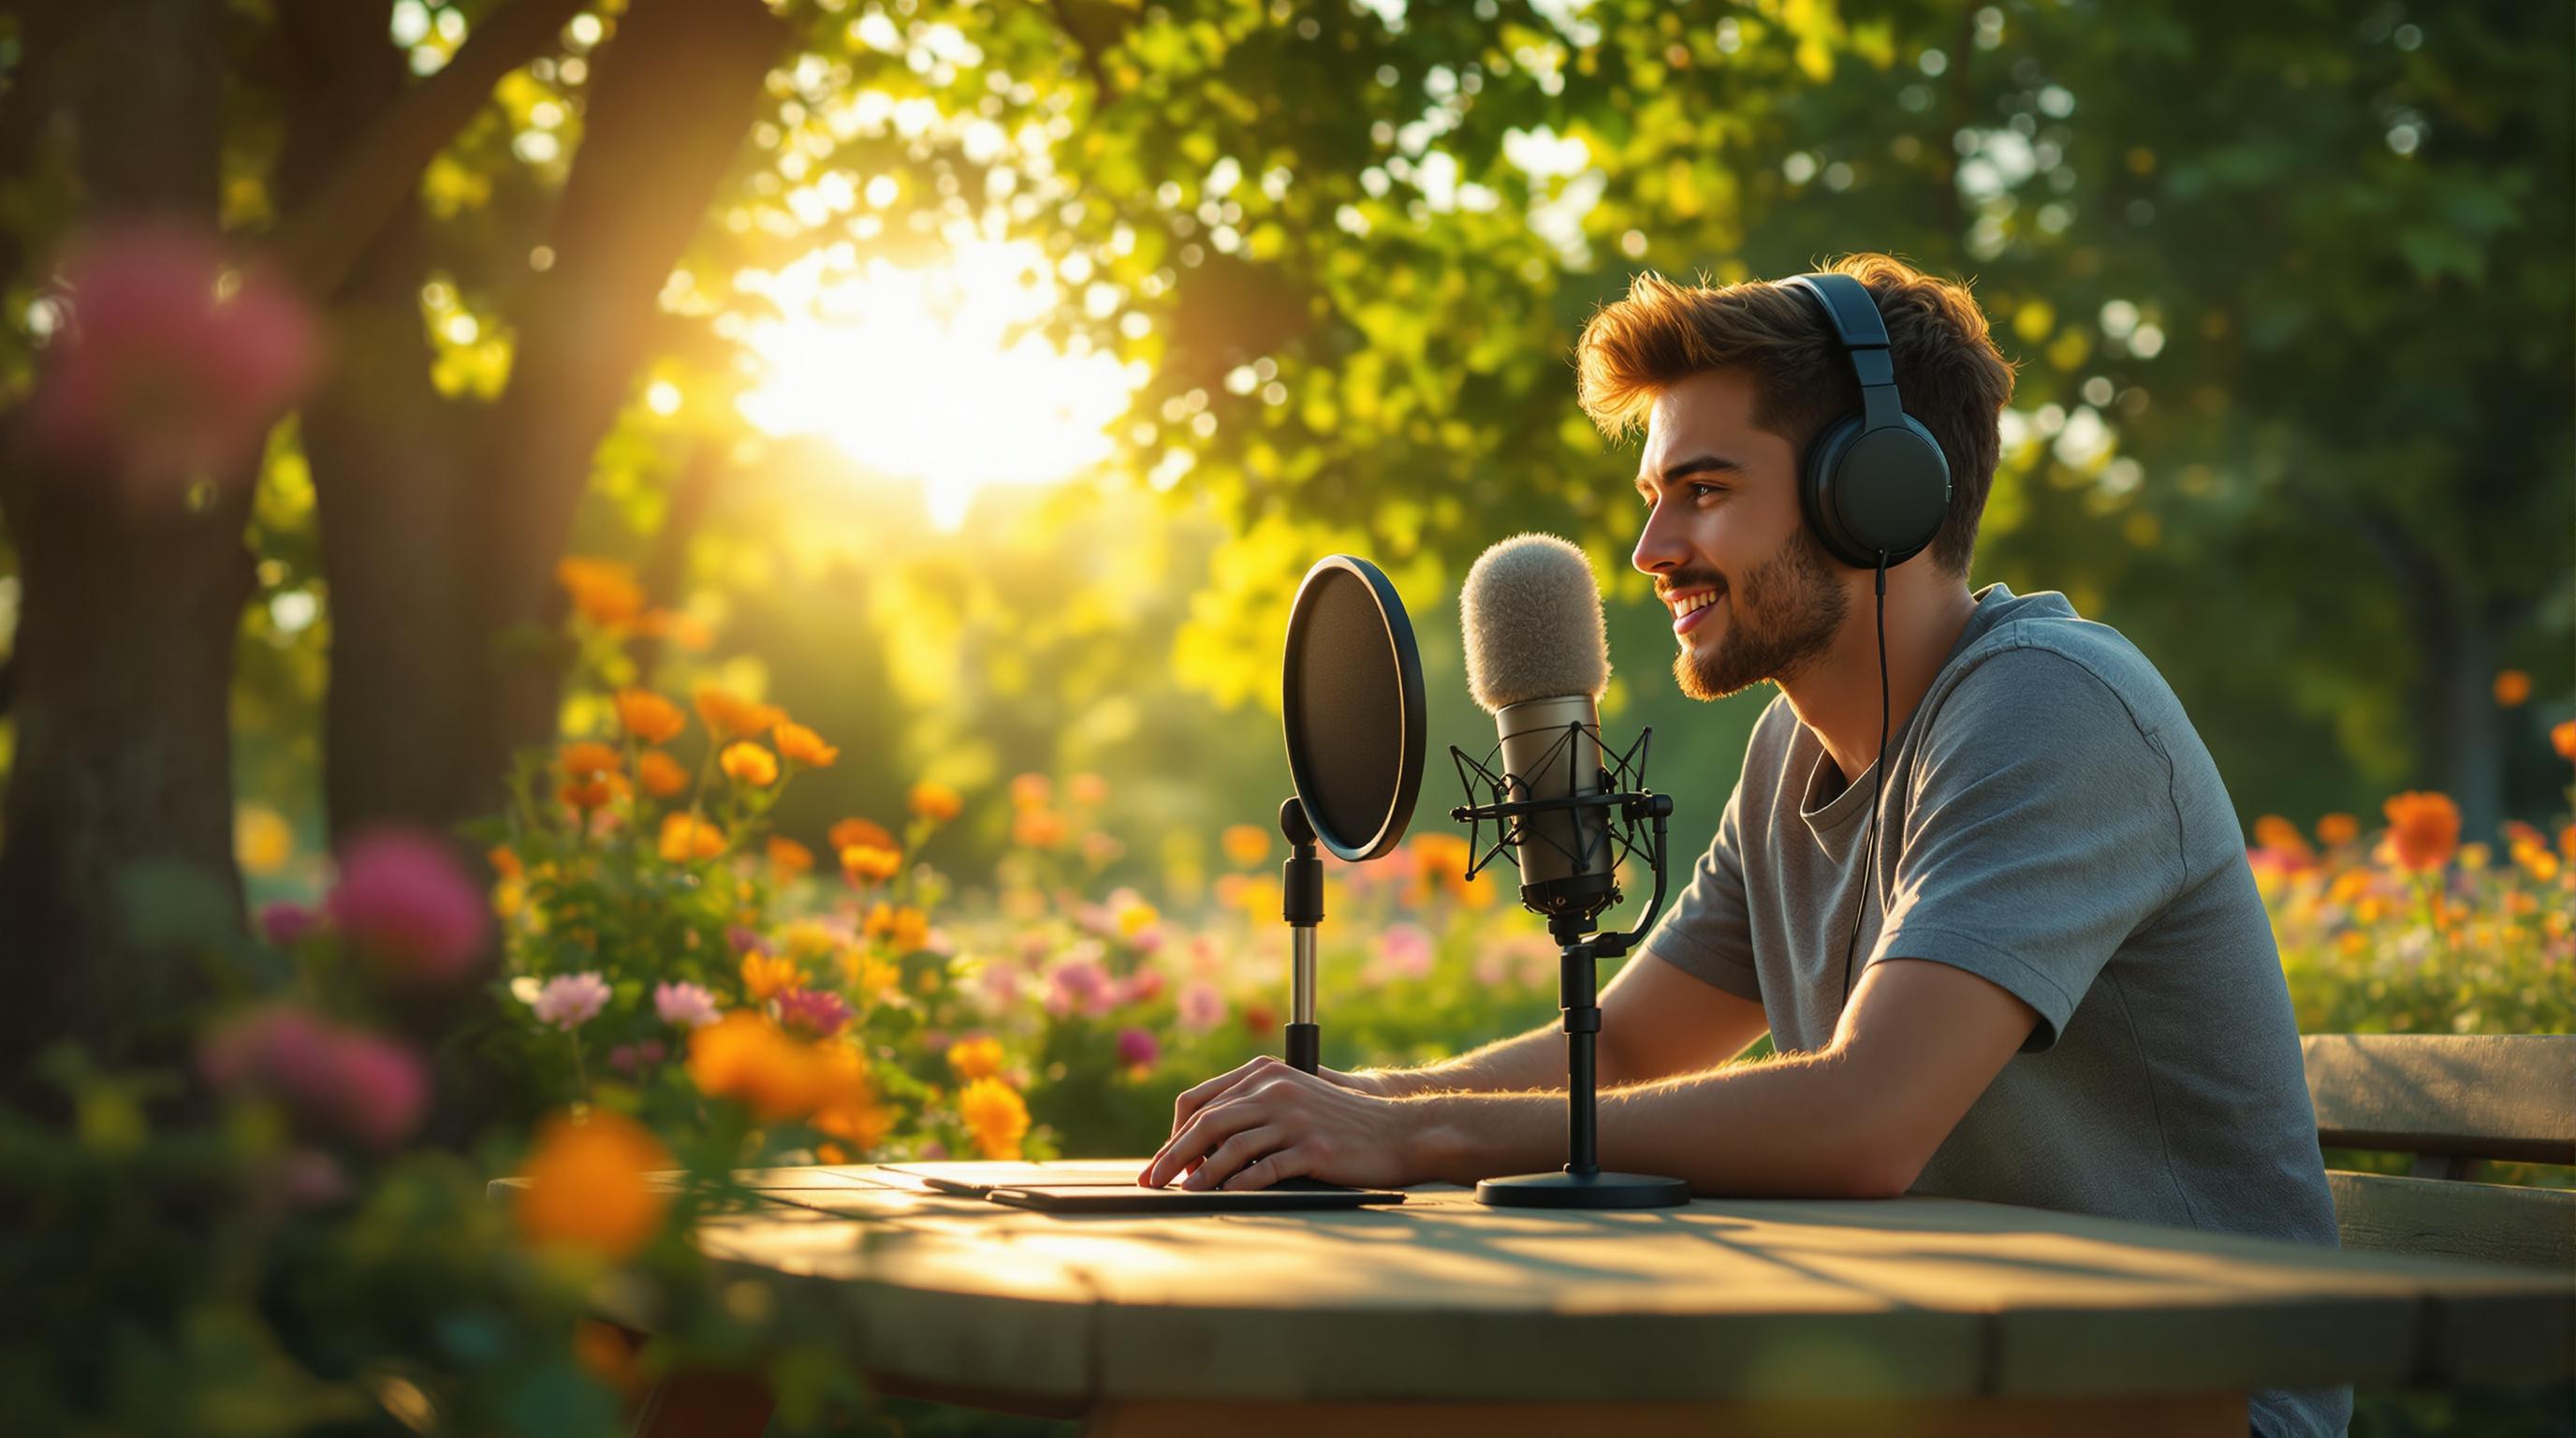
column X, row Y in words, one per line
column 2042, row 833
column 1707, row 932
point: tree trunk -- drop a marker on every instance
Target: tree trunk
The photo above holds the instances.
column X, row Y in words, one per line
column 128, row 610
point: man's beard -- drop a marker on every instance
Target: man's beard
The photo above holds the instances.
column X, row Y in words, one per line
column 1779, row 620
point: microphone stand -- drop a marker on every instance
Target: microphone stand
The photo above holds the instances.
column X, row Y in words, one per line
column 1301, row 888
column 1581, row 1183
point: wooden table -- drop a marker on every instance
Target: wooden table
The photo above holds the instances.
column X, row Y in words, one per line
column 1912, row 1315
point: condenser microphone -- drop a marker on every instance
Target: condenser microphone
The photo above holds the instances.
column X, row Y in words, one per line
column 1538, row 660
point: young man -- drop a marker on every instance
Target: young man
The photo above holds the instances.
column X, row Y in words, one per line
column 2067, row 992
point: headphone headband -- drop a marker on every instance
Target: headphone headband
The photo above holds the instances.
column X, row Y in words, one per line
column 1863, row 332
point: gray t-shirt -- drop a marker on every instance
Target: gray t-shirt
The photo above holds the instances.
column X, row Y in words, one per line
column 2053, row 825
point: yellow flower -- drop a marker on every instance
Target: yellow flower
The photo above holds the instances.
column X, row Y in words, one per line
column 729, row 715
column 603, row 590
column 589, row 1187
column 862, row 833
column 789, row 859
column 976, row 1058
column 2352, row 943
column 868, row 976
column 810, row 939
column 907, row 927
column 848, row 1109
column 648, row 717
column 748, row 763
column 1135, row 918
column 684, row 839
column 995, row 1113
column 2474, row 857
column 745, row 1056
column 660, row 774
column 2542, row 864
column 765, row 976
column 868, row 864
column 2512, row 687
column 804, row 746
column 936, row 802
column 1245, row 844
column 262, row 839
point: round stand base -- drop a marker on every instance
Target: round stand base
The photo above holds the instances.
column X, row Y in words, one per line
column 1583, row 1190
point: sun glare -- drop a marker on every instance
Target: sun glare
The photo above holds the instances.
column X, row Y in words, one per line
column 931, row 375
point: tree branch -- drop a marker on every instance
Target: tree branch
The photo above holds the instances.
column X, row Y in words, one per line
column 321, row 242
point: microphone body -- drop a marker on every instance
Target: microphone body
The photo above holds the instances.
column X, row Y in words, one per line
column 1551, row 749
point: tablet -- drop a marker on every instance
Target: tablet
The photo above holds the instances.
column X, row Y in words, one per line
column 975, row 1179
column 1093, row 1198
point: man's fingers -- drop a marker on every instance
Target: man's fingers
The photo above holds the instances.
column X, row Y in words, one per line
column 1271, row 1168
column 1234, row 1154
column 1198, row 1097
column 1213, row 1126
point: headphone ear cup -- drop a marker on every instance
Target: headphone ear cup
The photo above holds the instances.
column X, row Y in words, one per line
column 1885, row 490
column 1820, row 497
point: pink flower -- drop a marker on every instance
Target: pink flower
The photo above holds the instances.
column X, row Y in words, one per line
column 684, row 1006
column 1001, row 985
column 406, row 904
column 1201, row 1006
column 1138, row 1049
column 634, row 1058
column 1079, row 985
column 568, row 1001
column 339, row 1079
column 743, row 939
column 167, row 370
column 1406, row 950
column 817, row 1011
column 1141, row 987
column 286, row 923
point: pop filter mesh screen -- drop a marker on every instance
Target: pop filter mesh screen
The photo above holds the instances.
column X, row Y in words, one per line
column 1349, row 709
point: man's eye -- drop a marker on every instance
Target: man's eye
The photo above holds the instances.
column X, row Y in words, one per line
column 1698, row 490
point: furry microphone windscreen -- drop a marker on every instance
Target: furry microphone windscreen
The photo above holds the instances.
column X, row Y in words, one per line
column 1532, row 616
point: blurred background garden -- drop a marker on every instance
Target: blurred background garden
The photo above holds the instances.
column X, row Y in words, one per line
column 594, row 589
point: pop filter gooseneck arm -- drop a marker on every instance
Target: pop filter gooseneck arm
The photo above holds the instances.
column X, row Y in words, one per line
column 1301, row 887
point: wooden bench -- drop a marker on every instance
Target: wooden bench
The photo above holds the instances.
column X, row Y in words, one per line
column 2452, row 1101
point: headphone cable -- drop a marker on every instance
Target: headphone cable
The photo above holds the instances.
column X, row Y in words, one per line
column 1878, row 784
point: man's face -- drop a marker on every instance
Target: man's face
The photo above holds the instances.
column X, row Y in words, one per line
column 1722, row 524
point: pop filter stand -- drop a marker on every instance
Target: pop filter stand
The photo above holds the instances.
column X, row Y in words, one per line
column 1570, row 913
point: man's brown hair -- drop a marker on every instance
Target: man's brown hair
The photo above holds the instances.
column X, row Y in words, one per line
column 1947, row 368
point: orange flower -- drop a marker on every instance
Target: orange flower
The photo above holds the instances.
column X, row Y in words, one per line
column 804, row 746
column 2336, row 830
column 860, row 833
column 603, row 590
column 788, row 858
column 1245, row 844
column 505, row 864
column 766, row 976
column 2562, row 737
column 2281, row 836
column 729, row 715
column 686, row 631
column 745, row 1056
column 747, row 763
column 1089, row 790
column 2423, row 828
column 2512, row 687
column 1031, row 791
column 995, row 1113
column 589, row 760
column 589, row 1186
column 976, row 1058
column 1037, row 828
column 907, row 927
column 589, row 794
column 848, row 1109
column 868, row 864
column 660, row 774
column 936, row 802
column 648, row 717
column 684, row 839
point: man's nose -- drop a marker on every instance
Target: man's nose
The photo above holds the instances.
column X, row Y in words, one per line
column 1659, row 544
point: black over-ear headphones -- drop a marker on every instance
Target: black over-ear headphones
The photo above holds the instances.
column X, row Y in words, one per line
column 1874, row 482
column 1874, row 487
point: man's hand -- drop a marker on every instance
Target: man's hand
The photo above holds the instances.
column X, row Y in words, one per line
column 1266, row 1121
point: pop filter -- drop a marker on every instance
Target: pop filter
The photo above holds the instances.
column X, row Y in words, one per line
column 1351, row 702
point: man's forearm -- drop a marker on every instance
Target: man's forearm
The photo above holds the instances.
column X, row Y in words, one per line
column 1783, row 1128
column 1534, row 1060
